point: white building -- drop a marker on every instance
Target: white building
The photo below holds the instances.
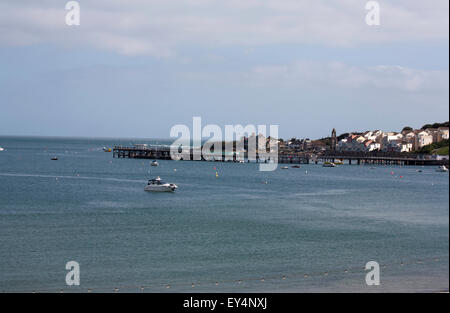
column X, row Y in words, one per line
column 423, row 138
column 410, row 137
column 406, row 147
column 443, row 133
column 390, row 141
column 374, row 146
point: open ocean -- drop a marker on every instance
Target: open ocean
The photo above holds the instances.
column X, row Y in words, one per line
column 300, row 232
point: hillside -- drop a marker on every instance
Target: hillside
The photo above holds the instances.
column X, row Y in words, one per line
column 435, row 125
column 440, row 148
column 441, row 151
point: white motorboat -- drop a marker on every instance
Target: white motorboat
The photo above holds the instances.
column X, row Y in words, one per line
column 442, row 169
column 329, row 164
column 154, row 163
column 158, row 185
column 1, row 149
column 284, row 167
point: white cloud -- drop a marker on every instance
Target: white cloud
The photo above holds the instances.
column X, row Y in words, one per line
column 159, row 27
column 313, row 75
column 335, row 74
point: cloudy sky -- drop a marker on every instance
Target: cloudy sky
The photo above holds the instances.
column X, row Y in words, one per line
column 135, row 68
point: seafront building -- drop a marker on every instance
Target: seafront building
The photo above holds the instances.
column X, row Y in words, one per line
column 406, row 141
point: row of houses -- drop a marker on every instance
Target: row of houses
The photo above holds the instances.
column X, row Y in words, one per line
column 302, row 145
column 407, row 141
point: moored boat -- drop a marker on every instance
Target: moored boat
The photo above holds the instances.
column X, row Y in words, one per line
column 329, row 164
column 442, row 169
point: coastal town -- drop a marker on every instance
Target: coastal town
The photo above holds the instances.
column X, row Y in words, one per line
column 425, row 146
column 408, row 140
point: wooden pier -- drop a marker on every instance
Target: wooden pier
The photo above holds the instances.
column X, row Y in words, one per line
column 163, row 153
column 154, row 152
column 381, row 158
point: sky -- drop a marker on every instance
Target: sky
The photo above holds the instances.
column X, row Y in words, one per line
column 135, row 68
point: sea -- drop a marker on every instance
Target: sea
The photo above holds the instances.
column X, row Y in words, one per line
column 308, row 229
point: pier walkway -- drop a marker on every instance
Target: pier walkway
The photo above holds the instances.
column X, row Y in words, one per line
column 382, row 158
column 163, row 153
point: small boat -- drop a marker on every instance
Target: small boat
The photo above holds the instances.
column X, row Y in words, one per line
column 284, row 167
column 154, row 163
column 339, row 163
column 442, row 169
column 419, row 171
column 54, row 159
column 296, row 166
column 106, row 149
column 241, row 161
column 1, row 149
column 158, row 185
column 329, row 164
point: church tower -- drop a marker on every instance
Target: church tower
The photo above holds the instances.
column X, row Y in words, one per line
column 333, row 140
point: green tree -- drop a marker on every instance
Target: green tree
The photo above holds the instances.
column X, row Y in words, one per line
column 407, row 129
column 435, row 125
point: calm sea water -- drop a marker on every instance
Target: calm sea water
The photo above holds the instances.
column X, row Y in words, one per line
column 231, row 233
